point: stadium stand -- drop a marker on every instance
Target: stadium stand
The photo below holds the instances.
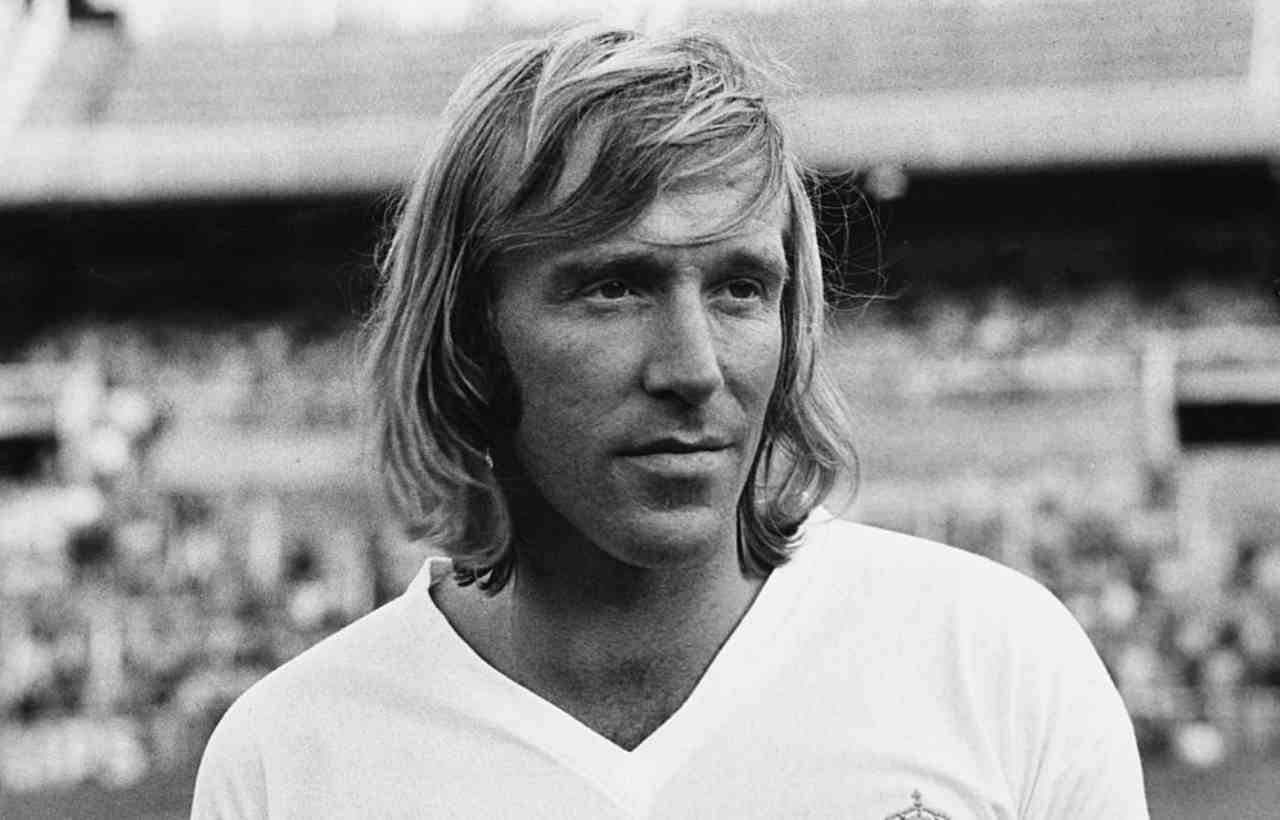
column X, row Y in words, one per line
column 928, row 85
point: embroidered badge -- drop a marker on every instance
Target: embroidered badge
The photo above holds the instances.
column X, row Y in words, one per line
column 918, row 811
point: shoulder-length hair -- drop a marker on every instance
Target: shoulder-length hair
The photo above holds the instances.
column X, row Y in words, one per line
column 660, row 110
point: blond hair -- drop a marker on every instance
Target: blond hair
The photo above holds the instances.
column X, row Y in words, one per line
column 661, row 110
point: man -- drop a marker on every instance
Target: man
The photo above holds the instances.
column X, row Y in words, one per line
column 597, row 389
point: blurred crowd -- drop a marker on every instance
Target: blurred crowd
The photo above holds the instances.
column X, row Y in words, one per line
column 132, row 613
column 131, row 617
column 266, row 374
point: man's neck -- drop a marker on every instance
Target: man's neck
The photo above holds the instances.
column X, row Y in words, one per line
column 583, row 623
column 619, row 648
column 623, row 650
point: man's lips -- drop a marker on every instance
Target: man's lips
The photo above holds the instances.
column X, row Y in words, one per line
column 678, row 446
column 678, row 457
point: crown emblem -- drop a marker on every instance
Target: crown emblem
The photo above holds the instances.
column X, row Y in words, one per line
column 918, row 811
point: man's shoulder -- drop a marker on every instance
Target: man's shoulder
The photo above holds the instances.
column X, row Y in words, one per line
column 374, row 649
column 342, row 693
column 992, row 619
column 958, row 640
column 855, row 547
column 875, row 565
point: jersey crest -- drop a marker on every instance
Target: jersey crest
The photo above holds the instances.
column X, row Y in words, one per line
column 918, row 811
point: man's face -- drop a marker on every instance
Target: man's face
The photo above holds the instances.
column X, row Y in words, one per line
column 644, row 363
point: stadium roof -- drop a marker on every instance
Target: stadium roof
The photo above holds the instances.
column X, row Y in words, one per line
column 925, row 86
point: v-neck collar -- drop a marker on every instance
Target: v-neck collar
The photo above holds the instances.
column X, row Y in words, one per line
column 631, row 779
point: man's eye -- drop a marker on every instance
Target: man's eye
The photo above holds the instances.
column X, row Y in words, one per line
column 610, row 290
column 744, row 289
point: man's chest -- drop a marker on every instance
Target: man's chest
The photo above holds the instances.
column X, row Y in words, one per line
column 817, row 762
column 766, row 776
column 624, row 715
column 787, row 750
column 496, row 778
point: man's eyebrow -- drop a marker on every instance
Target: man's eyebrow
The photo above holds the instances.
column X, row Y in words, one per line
column 606, row 263
column 752, row 260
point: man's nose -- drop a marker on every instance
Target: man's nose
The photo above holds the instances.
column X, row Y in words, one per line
column 684, row 356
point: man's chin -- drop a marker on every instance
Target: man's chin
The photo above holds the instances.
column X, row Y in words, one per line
column 675, row 537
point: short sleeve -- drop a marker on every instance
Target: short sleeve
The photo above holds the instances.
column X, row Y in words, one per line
column 230, row 784
column 1083, row 753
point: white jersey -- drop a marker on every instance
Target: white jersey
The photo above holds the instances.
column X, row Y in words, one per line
column 876, row 677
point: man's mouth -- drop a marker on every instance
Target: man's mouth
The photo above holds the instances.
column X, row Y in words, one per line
column 678, row 446
column 681, row 458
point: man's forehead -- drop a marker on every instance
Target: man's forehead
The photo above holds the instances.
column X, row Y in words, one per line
column 707, row 224
column 712, row 209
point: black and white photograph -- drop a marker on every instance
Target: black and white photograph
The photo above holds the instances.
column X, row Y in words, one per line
column 640, row 409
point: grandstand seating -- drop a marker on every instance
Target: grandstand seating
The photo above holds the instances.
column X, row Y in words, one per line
column 356, row 75
column 917, row 83
column 832, row 48
column 923, row 84
column 839, row 48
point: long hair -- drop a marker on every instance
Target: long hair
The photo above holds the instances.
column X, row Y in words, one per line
column 660, row 110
